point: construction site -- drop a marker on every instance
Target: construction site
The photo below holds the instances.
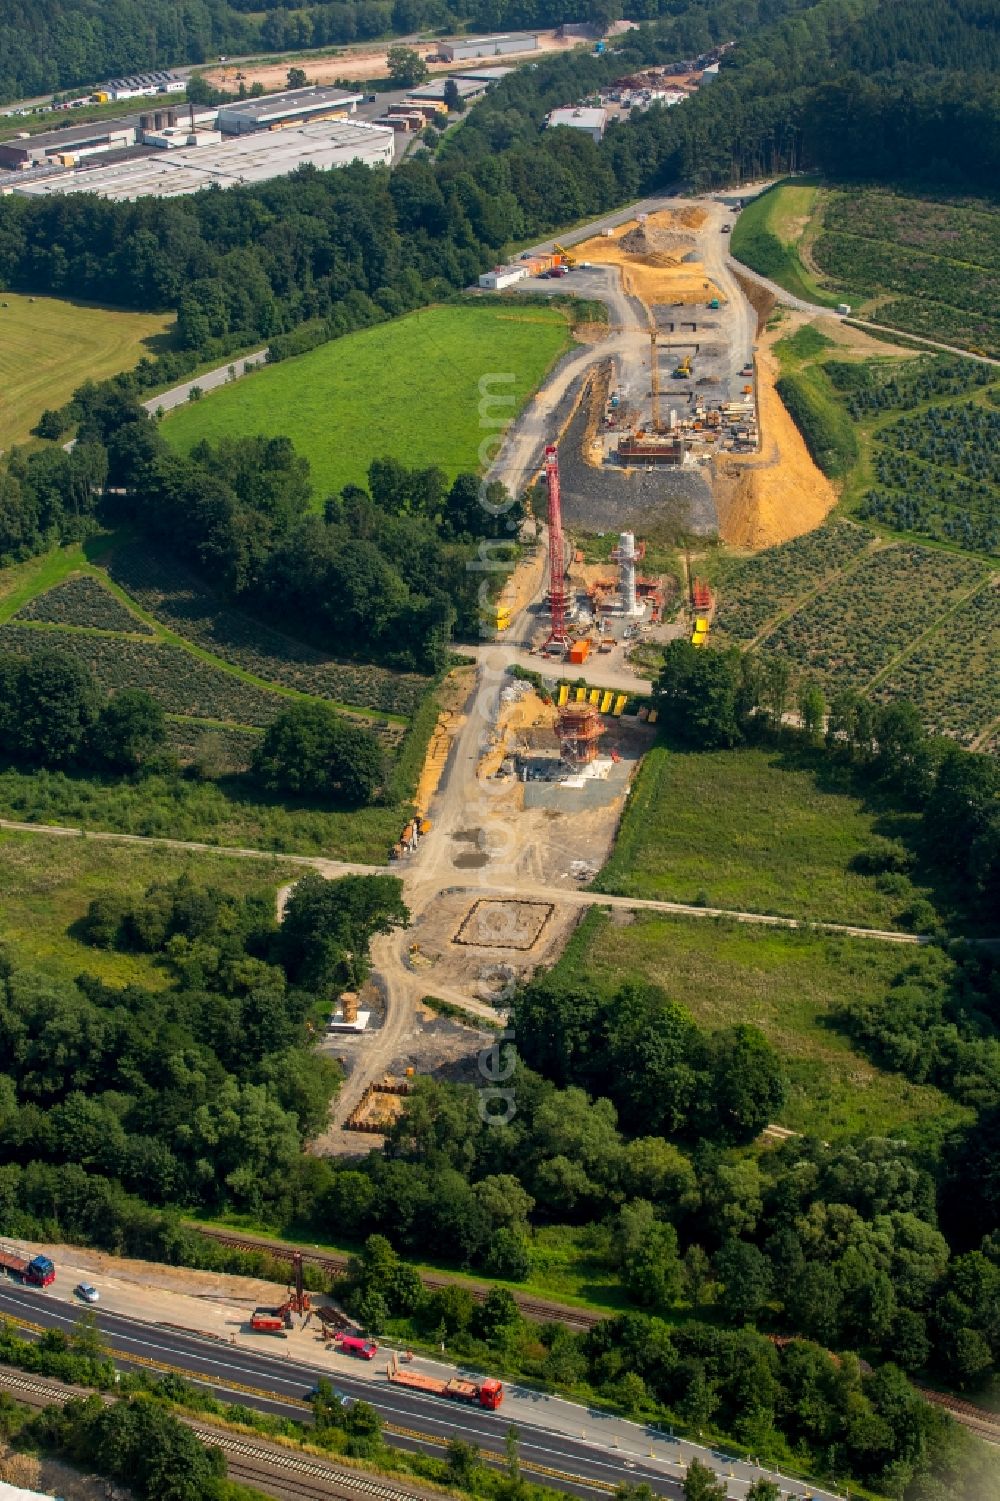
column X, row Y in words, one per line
column 626, row 453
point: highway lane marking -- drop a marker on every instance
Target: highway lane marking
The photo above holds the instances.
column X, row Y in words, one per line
column 444, row 1422
column 440, row 1441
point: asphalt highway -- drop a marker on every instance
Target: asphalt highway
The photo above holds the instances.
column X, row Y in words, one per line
column 272, row 1383
column 586, row 1464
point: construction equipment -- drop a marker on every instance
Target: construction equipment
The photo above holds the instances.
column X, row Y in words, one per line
column 36, row 1270
column 568, row 260
column 277, row 1320
column 558, row 634
column 486, row 1393
column 683, row 369
column 701, row 596
column 654, row 381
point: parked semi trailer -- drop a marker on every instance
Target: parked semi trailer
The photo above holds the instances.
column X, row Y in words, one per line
column 488, row 1393
column 37, row 1270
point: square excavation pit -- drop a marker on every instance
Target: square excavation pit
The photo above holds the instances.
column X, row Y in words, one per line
column 494, row 924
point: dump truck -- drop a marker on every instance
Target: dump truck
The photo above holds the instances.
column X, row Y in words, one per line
column 486, row 1393
column 38, row 1271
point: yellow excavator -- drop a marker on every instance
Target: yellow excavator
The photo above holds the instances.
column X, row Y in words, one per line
column 683, row 369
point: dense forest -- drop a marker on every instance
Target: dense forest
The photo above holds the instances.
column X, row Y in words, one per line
column 378, row 574
column 201, row 1093
column 342, row 249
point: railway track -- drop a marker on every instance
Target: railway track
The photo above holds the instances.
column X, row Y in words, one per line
column 537, row 1310
column 286, row 1473
column 282, row 1473
column 976, row 1419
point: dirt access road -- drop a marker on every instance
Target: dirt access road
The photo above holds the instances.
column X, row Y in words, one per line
column 367, row 62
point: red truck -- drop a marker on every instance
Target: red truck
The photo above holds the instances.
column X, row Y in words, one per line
column 356, row 1344
column 37, row 1270
column 487, row 1393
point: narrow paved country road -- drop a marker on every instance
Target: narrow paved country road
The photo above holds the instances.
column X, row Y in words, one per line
column 209, row 381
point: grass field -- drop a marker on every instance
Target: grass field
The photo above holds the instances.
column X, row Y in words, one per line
column 768, row 234
column 410, row 389
column 787, row 984
column 48, row 883
column 753, row 830
column 48, row 347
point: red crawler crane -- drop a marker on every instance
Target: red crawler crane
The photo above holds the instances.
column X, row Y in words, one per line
column 558, row 635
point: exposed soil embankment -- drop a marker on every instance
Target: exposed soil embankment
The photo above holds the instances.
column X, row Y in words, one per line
column 779, row 493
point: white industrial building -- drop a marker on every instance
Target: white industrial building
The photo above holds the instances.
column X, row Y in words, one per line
column 468, row 88
column 589, row 118
column 143, row 86
column 254, row 157
column 502, row 276
column 293, row 107
column 488, row 46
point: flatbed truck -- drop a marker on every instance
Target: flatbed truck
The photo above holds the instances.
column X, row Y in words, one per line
column 486, row 1393
column 38, row 1271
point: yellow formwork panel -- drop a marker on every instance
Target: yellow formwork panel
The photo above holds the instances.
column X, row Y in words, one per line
column 654, row 715
column 620, row 703
column 581, row 695
column 594, row 696
column 606, row 700
column 563, row 693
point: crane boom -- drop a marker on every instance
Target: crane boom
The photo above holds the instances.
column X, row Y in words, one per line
column 558, row 635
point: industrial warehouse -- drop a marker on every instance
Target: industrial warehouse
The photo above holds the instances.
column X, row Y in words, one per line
column 172, row 151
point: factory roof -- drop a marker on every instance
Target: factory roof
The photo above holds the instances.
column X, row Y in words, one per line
column 255, row 157
column 503, row 36
column 586, row 118
column 436, row 88
column 142, row 80
column 290, row 101
column 484, row 75
column 71, row 135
